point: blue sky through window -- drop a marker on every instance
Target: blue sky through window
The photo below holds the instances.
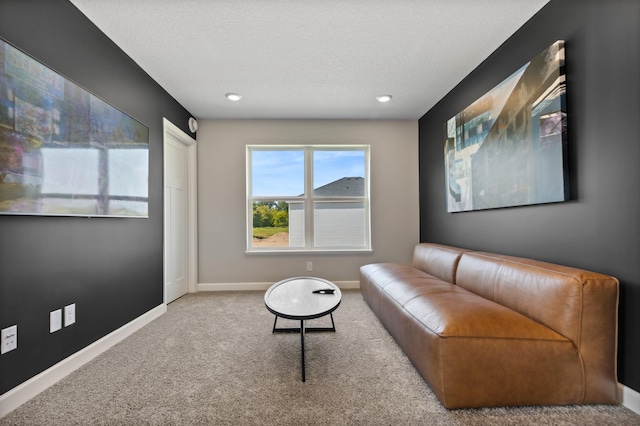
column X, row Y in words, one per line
column 281, row 172
column 329, row 166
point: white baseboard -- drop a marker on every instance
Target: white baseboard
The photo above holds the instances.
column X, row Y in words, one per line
column 343, row 285
column 630, row 398
column 17, row 396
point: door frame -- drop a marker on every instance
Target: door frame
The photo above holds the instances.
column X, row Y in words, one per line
column 168, row 128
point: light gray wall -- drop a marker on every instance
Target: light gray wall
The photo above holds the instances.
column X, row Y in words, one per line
column 221, row 197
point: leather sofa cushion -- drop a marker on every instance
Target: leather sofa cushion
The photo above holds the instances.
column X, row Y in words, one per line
column 554, row 295
column 438, row 260
column 450, row 311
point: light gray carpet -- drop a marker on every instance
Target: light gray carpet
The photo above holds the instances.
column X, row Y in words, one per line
column 212, row 359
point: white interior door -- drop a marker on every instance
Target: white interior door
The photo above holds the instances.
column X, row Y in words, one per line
column 176, row 205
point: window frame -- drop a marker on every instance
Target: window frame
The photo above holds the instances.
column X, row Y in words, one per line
column 308, row 200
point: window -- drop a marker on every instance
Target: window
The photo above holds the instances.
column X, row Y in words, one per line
column 308, row 198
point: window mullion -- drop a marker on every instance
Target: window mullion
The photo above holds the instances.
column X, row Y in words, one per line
column 308, row 202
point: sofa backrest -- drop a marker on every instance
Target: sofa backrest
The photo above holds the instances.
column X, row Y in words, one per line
column 438, row 260
column 557, row 296
column 581, row 305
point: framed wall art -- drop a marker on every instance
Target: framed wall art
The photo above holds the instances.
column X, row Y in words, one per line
column 509, row 148
column 63, row 150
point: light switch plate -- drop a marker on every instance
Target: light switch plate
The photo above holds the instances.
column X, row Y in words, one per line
column 55, row 320
column 69, row 314
column 9, row 339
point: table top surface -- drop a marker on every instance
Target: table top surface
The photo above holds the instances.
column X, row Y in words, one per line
column 293, row 298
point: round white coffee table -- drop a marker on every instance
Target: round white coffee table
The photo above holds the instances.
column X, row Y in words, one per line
column 303, row 298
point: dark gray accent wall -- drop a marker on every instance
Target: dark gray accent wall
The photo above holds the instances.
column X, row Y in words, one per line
column 110, row 268
column 599, row 229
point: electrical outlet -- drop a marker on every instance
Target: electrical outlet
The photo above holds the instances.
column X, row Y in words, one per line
column 69, row 314
column 309, row 266
column 55, row 320
column 9, row 339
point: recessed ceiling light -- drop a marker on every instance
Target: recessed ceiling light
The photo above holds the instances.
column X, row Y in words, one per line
column 384, row 98
column 233, row 96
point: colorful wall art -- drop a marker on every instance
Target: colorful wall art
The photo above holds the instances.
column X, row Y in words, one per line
column 509, row 148
column 64, row 151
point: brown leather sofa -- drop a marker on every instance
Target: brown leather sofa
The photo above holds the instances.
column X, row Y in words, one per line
column 488, row 330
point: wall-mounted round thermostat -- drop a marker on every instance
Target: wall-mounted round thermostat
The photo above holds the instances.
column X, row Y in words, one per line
column 193, row 125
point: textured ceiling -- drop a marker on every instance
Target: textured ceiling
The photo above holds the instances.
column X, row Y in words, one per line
column 308, row 59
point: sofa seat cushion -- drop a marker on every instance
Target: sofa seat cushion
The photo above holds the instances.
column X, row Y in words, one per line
column 379, row 275
column 382, row 274
column 404, row 291
column 456, row 312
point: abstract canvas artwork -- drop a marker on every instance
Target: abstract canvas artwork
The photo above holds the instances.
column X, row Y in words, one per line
column 509, row 148
column 63, row 150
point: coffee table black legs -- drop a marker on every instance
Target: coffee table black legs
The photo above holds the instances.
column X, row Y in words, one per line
column 302, row 346
column 308, row 329
column 302, row 330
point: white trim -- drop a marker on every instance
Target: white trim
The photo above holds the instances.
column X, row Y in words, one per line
column 192, row 153
column 630, row 398
column 342, row 285
column 308, row 199
column 17, row 396
column 309, row 251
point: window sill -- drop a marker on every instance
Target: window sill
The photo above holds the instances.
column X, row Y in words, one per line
column 307, row 252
